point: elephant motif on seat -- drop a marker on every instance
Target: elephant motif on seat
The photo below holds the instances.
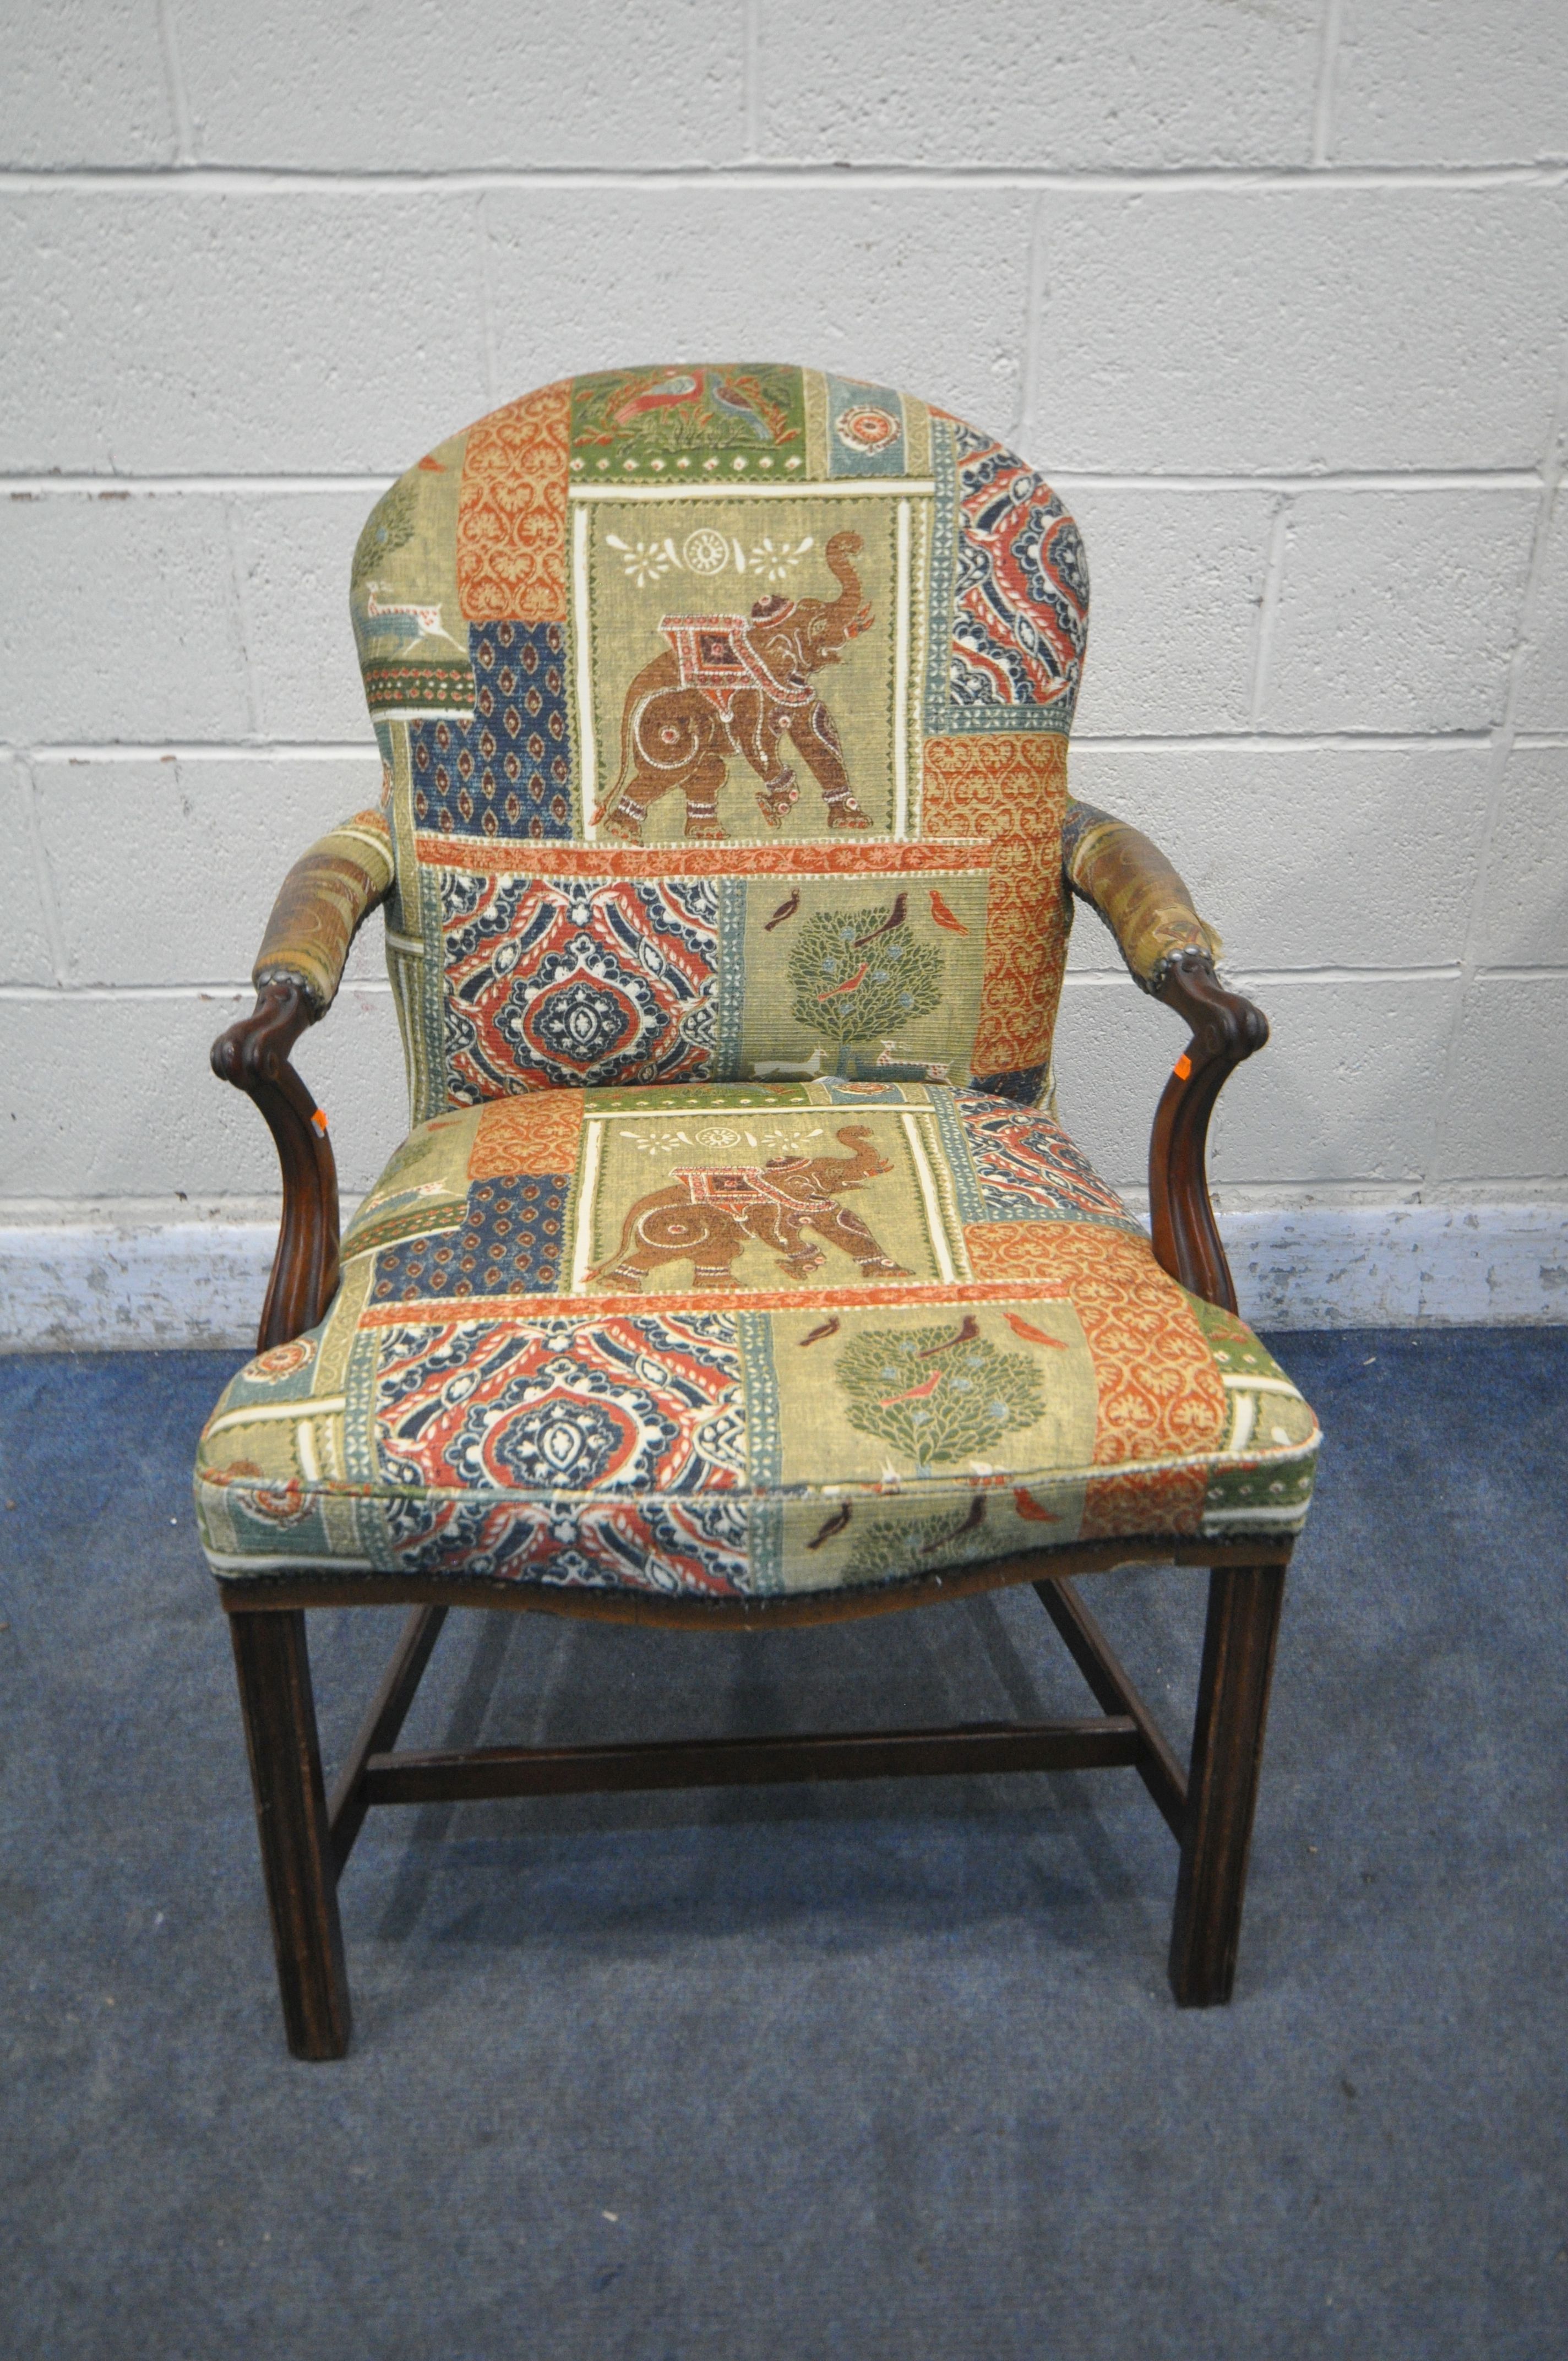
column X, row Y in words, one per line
column 740, row 685
column 706, row 1216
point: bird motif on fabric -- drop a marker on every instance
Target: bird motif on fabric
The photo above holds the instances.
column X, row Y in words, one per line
column 668, row 394
column 739, row 411
column 1030, row 1333
column 975, row 1518
column 833, row 1524
column 944, row 917
column 895, row 918
column 965, row 1334
column 913, row 1393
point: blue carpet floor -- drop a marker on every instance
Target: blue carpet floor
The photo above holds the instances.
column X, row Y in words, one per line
column 869, row 2071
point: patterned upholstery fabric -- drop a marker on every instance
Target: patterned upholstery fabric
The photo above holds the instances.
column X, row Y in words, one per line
column 322, row 905
column 1132, row 885
column 723, row 714
column 745, row 1339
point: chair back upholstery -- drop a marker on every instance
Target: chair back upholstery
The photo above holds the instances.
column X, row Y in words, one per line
column 724, row 716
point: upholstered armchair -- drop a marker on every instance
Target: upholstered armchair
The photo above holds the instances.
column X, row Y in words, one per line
column 736, row 1271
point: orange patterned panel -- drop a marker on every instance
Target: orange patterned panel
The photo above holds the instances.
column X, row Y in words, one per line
column 536, row 1133
column 790, row 858
column 1160, row 1395
column 511, row 513
column 1149, row 1500
column 1012, row 791
column 1021, row 1251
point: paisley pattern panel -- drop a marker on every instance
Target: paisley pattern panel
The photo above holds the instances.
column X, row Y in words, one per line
column 621, row 981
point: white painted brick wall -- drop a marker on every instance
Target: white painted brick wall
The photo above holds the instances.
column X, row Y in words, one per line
column 1278, row 295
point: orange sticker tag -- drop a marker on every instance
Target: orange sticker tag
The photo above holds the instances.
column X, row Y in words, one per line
column 320, row 1121
column 1183, row 1067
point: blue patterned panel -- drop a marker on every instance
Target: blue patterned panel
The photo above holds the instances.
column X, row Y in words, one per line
column 507, row 773
column 509, row 1244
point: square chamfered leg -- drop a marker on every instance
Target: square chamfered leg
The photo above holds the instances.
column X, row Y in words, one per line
column 1227, row 1756
column 273, row 1665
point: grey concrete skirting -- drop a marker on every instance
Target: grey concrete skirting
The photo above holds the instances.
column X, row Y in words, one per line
column 109, row 1285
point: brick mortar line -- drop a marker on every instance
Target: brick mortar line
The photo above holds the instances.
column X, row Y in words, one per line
column 1328, row 36
column 1036, row 302
column 174, row 87
column 751, row 78
column 1244, row 740
column 58, row 994
column 273, row 180
column 33, row 484
column 485, row 243
column 1268, row 607
column 239, row 590
column 43, row 875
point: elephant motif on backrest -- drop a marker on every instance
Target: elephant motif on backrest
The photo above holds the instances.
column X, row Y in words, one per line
column 740, row 685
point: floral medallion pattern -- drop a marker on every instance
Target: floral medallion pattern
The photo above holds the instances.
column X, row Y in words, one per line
column 620, row 977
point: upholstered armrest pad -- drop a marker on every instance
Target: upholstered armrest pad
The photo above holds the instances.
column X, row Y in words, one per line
column 1134, row 889
column 324, row 897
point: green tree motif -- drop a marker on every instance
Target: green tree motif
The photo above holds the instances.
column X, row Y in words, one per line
column 390, row 525
column 886, row 1550
column 856, row 977
column 935, row 1397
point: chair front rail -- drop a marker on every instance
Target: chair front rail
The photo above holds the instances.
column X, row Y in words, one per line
column 787, row 1610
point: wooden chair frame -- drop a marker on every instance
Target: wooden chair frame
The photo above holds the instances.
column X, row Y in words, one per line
column 306, row 1836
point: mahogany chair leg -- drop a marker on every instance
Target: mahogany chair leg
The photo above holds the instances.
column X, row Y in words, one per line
column 1227, row 1756
column 274, row 1669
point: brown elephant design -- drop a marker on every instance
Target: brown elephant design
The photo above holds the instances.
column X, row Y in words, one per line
column 706, row 1216
column 740, row 685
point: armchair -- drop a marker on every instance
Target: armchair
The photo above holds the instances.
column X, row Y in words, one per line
column 736, row 1272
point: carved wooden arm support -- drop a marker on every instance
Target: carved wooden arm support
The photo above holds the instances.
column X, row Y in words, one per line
column 323, row 901
column 1225, row 1029
column 1169, row 951
column 254, row 1056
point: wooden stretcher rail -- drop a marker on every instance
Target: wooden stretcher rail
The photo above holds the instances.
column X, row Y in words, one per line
column 1112, row 1688
column 492, row 1771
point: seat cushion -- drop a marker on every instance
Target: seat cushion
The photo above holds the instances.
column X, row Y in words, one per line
column 745, row 1339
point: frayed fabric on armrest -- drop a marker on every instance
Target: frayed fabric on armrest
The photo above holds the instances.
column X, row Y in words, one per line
column 323, row 900
column 1132, row 886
